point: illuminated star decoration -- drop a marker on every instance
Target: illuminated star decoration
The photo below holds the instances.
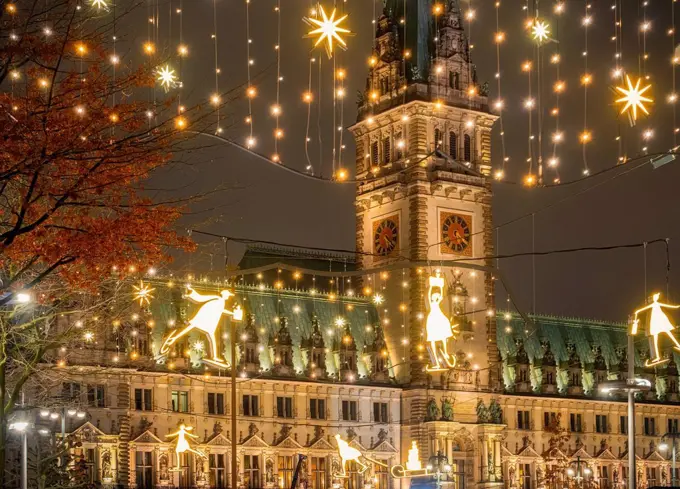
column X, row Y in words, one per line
column 634, row 97
column 378, row 299
column 143, row 293
column 328, row 29
column 166, row 77
column 540, row 31
column 100, row 4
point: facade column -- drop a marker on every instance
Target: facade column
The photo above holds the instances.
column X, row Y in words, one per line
column 485, row 460
column 497, row 459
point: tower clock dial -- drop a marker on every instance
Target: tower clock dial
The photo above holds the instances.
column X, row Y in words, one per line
column 386, row 236
column 456, row 233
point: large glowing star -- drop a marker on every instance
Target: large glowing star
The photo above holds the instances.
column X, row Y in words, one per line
column 414, row 468
column 143, row 293
column 328, row 29
column 206, row 320
column 657, row 323
column 540, row 31
column 634, row 98
column 166, row 77
column 438, row 327
column 100, row 4
column 182, row 443
column 351, row 454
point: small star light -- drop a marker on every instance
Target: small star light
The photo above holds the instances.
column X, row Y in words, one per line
column 378, row 299
column 198, row 346
column 328, row 29
column 143, row 293
column 634, row 97
column 340, row 321
column 166, row 77
column 100, row 4
column 540, row 31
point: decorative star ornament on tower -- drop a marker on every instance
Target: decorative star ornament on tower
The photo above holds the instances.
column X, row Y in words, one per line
column 100, row 4
column 328, row 29
column 166, row 77
column 634, row 98
column 540, row 31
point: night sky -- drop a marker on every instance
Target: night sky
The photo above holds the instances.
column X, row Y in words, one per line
column 269, row 204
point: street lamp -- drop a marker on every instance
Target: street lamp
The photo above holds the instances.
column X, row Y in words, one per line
column 21, row 427
column 579, row 475
column 664, row 446
column 439, row 466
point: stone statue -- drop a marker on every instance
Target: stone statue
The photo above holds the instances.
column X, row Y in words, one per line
column 217, row 428
column 163, row 473
column 200, row 470
column 269, row 472
column 106, row 465
column 447, row 410
column 253, row 429
column 482, row 412
column 495, row 412
column 432, row 410
column 382, row 435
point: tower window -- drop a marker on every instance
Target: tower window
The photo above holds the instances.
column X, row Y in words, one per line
column 437, row 138
column 374, row 153
column 453, row 145
column 454, row 80
column 467, row 148
column 399, row 146
column 386, row 150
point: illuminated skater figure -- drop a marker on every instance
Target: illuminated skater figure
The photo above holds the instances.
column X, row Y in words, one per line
column 658, row 323
column 351, row 454
column 183, row 445
column 206, row 319
column 438, row 327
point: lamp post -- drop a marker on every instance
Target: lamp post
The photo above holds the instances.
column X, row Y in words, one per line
column 21, row 427
column 579, row 475
column 673, row 435
column 439, row 466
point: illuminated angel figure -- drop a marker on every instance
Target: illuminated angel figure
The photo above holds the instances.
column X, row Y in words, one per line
column 658, row 323
column 182, row 444
column 206, row 320
column 438, row 327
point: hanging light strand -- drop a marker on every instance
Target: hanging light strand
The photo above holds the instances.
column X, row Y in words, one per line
column 500, row 38
column 586, row 80
column 673, row 97
column 251, row 91
column 276, row 110
column 558, row 89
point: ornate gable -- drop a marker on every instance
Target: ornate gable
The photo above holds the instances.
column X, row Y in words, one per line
column 582, row 453
column 355, row 444
column 321, row 444
column 288, row 442
column 147, row 437
column 88, row 432
column 255, row 442
column 655, row 457
column 606, row 454
column 218, row 440
column 528, row 452
column 384, row 447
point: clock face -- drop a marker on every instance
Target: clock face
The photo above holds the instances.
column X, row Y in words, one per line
column 386, row 236
column 456, row 233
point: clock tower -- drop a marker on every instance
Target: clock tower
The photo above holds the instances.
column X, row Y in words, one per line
column 423, row 158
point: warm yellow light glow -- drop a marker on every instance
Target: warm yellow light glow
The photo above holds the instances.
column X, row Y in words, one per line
column 586, row 79
column 351, row 454
column 526, row 66
column 149, row 48
column 586, row 137
column 251, row 92
column 215, row 99
column 100, row 4
column 413, row 462
column 182, row 444
column 540, row 31
column 657, row 323
column 500, row 37
column 183, row 50
column 328, row 29
column 342, row 174
column 438, row 327
column 307, row 97
column 559, row 86
column 80, row 48
column 634, row 98
column 166, row 77
column 206, row 320
column 530, row 180
column 143, row 293
column 11, row 8
column 180, row 123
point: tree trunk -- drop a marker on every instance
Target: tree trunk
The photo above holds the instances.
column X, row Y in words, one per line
column 3, row 426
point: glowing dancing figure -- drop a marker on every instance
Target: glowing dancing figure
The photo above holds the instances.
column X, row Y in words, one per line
column 206, row 319
column 438, row 327
column 658, row 323
column 183, row 445
column 351, row 454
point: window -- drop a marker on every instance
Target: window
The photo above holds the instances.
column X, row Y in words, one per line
column 458, row 474
column 437, row 138
column 523, row 420
column 380, row 474
column 140, row 342
column 284, row 407
column 454, row 80
column 317, row 408
column 575, row 423
column 286, row 469
column 180, row 401
column 251, row 355
column 672, row 425
column 601, row 423
column 251, row 471
column 672, row 386
column 603, row 476
column 215, row 403
column 380, row 414
column 550, row 378
column 90, row 468
column 374, row 153
column 651, row 476
column 650, row 426
column 349, row 410
column 144, row 470
column 143, row 400
column 96, row 396
column 387, row 154
column 623, row 425
column 70, row 391
column 400, row 143
column 575, row 378
column 318, row 473
column 549, row 419
column 218, row 470
column 453, row 145
column 525, row 476
column 251, row 405
column 355, row 477
column 523, row 375
column 467, row 148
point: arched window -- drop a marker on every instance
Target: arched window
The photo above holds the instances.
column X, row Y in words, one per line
column 374, row 153
column 387, row 154
column 399, row 144
column 467, row 148
column 453, row 145
column 454, row 80
column 437, row 138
